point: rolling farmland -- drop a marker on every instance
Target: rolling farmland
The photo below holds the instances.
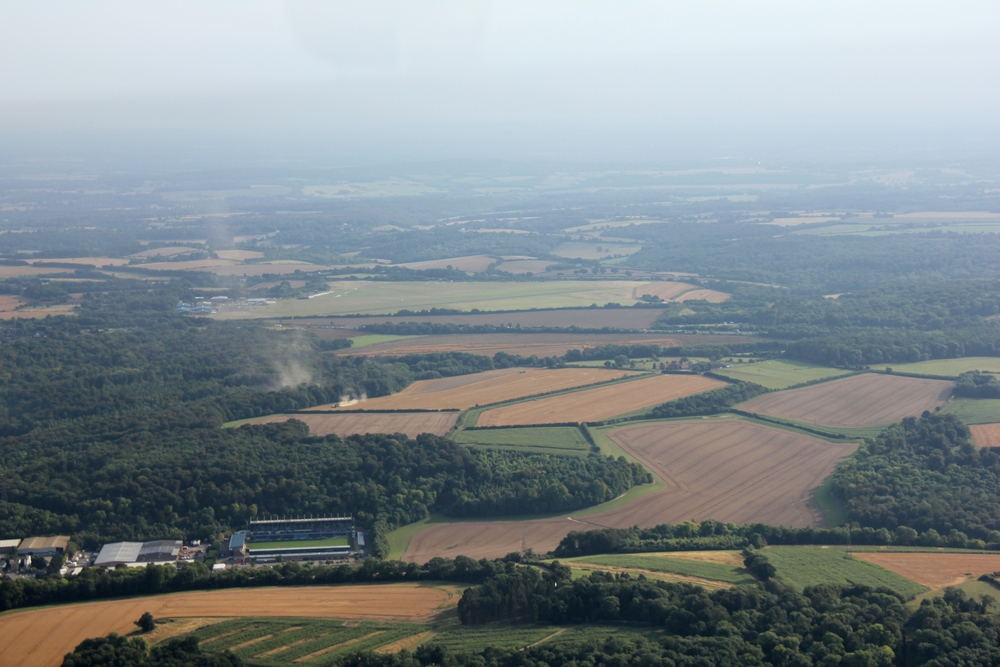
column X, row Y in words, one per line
column 947, row 367
column 728, row 470
column 544, row 440
column 934, row 570
column 986, row 435
column 351, row 423
column 598, row 403
column 584, row 318
column 802, row 566
column 42, row 636
column 466, row 391
column 862, row 400
column 471, row 263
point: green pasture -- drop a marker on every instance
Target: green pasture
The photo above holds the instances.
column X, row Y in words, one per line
column 974, row 589
column 809, row 566
column 946, row 367
column 380, row 297
column 371, row 339
column 668, row 564
column 974, row 410
column 780, row 373
column 541, row 439
column 291, row 544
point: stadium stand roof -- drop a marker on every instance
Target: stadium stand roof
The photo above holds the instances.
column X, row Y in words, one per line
column 237, row 541
column 118, row 552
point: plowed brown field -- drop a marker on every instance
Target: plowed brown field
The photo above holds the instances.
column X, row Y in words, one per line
column 986, row 435
column 671, row 291
column 861, row 400
column 410, row 423
column 525, row 345
column 43, row 636
column 466, row 391
column 598, row 403
column 709, row 295
column 935, row 570
column 728, row 470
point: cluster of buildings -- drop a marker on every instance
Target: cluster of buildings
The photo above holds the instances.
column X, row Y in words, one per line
column 19, row 553
column 141, row 554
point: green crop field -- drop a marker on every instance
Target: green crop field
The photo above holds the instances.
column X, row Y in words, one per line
column 547, row 440
column 946, row 367
column 379, row 297
column 689, row 568
column 289, row 544
column 371, row 339
column 809, row 566
column 780, row 373
column 974, row 410
column 474, row 639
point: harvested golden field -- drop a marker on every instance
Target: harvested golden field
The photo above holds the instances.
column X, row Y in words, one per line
column 861, row 400
column 41, row 637
column 19, row 271
column 986, row 435
column 934, row 570
column 471, row 263
column 9, row 302
column 239, row 255
column 350, row 423
column 40, row 311
column 525, row 344
column 720, row 557
column 665, row 290
column 727, row 470
column 600, row 402
column 466, row 391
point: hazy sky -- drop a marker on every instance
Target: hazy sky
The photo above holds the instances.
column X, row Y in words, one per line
column 476, row 78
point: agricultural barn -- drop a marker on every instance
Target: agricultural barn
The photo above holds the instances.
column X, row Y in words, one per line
column 318, row 538
column 44, row 546
column 7, row 546
column 139, row 553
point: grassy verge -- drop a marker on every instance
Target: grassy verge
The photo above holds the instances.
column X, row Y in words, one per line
column 974, row 410
column 780, row 373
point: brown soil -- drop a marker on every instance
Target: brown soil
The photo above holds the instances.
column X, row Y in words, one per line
column 869, row 399
column 986, row 435
column 472, row 263
column 525, row 345
column 484, row 388
column 935, row 570
column 18, row 271
column 298, row 642
column 263, row 638
column 43, row 636
column 727, row 470
column 598, row 403
column 410, row 423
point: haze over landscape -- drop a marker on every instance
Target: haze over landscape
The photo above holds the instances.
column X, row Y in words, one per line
column 499, row 334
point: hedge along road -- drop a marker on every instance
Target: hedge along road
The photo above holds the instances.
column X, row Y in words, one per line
column 41, row 637
column 729, row 470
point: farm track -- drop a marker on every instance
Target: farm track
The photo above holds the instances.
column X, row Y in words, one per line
column 41, row 637
column 934, row 570
column 598, row 403
column 410, row 423
column 730, row 470
column 854, row 402
column 466, row 391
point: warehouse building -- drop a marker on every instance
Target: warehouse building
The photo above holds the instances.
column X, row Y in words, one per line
column 45, row 547
column 159, row 552
column 8, row 546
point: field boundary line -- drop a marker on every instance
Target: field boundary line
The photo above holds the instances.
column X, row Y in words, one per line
column 545, row 639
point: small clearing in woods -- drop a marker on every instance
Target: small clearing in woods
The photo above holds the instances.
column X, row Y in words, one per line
column 466, row 391
column 869, row 399
column 934, row 570
column 598, row 403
